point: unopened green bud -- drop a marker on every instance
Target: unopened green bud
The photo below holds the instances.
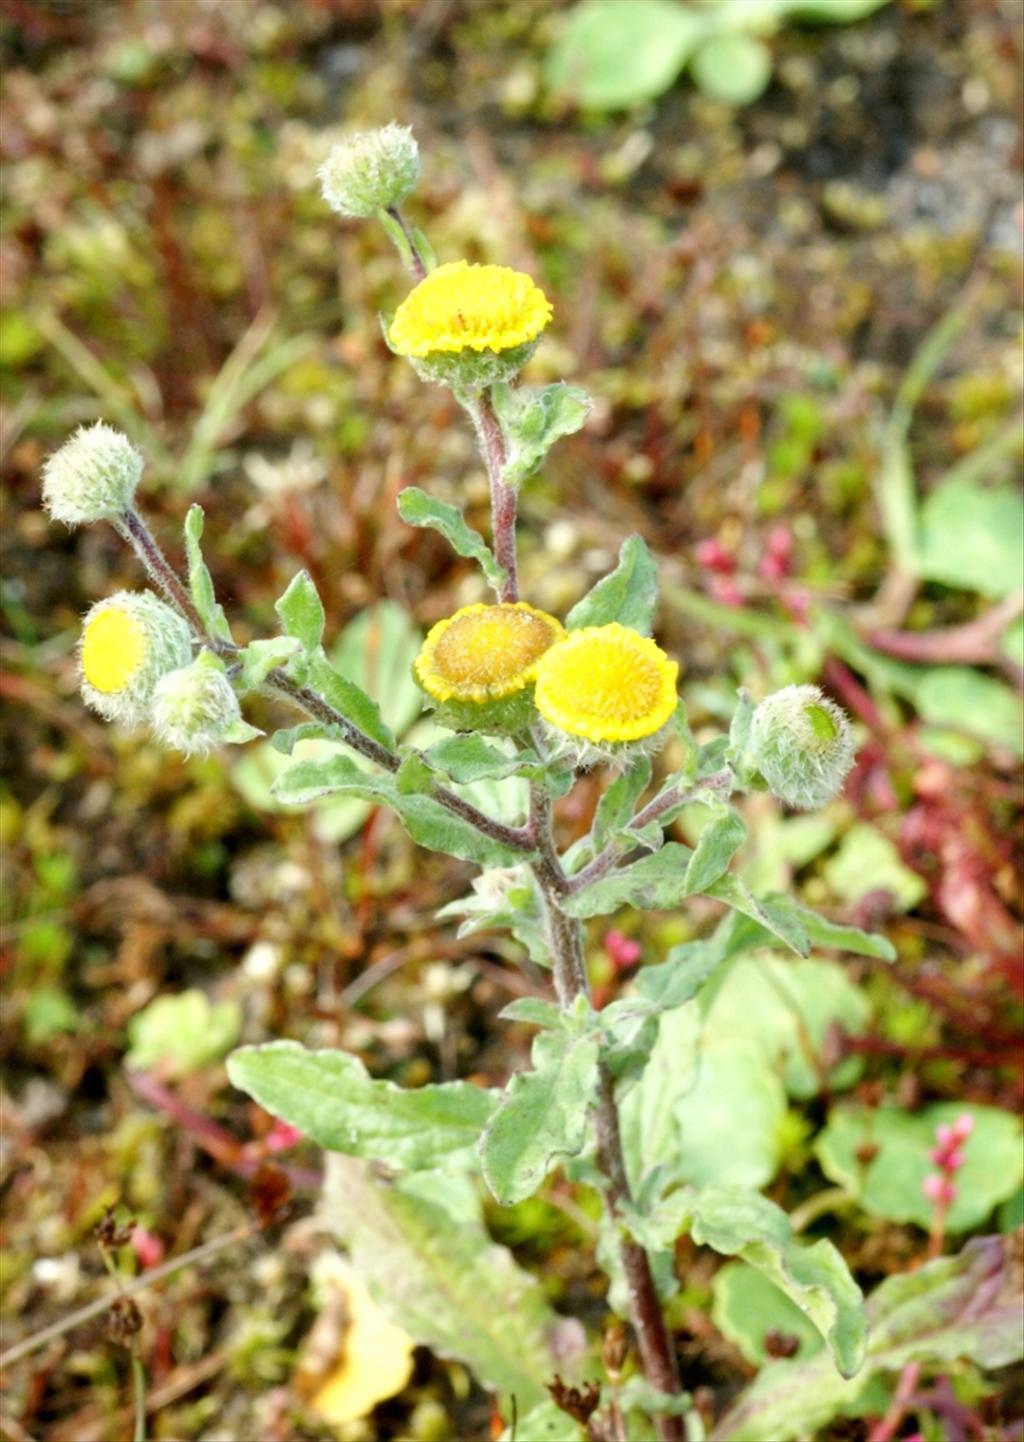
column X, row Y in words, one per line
column 195, row 708
column 93, row 477
column 128, row 642
column 373, row 170
column 800, row 743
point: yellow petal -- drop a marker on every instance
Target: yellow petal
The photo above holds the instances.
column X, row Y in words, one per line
column 375, row 1361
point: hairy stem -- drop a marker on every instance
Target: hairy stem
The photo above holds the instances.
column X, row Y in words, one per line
column 419, row 270
column 504, row 499
column 132, row 528
column 570, row 976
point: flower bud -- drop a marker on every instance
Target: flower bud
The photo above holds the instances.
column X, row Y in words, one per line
column 93, row 477
column 128, row 642
column 801, row 745
column 195, row 707
column 373, row 170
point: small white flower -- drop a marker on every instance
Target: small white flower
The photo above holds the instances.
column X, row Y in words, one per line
column 93, row 477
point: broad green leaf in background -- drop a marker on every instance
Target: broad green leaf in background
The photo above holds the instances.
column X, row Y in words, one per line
column 200, row 583
column 543, row 1116
column 179, row 1035
column 416, row 508
column 733, row 68
column 629, row 594
column 330, row 1097
column 301, row 612
column 546, row 1423
column 730, row 1124
column 650, row 1134
column 656, row 883
column 375, row 651
column 868, row 861
column 442, row 1278
column 773, row 914
column 786, row 1008
column 964, row 1306
column 889, row 1183
column 533, row 419
column 747, row 1306
column 969, row 533
column 968, row 700
column 831, row 12
column 254, row 773
column 611, row 55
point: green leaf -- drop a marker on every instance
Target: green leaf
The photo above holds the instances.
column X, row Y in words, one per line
column 650, row 1133
column 534, row 1010
column 416, row 508
column 729, row 1126
column 739, row 1223
column 259, row 658
column 546, row 1423
column 732, row 68
column 533, row 419
column 182, row 1034
column 718, row 843
column 967, row 700
column 468, row 758
column 446, row 1283
column 350, row 700
column 688, row 966
column 200, row 583
column 833, row 12
column 285, row 741
column 628, row 595
column 302, row 612
column 747, row 1306
column 787, row 1009
column 868, row 861
column 897, row 1147
column 376, row 651
column 611, row 56
column 425, row 819
column 542, row 1117
column 618, row 802
column 331, row 1098
column 655, row 883
column 771, row 914
column 948, row 1309
column 837, row 937
column 970, row 537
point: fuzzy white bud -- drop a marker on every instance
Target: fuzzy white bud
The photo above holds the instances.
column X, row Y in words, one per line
column 128, row 642
column 800, row 742
column 370, row 171
column 194, row 708
column 93, row 477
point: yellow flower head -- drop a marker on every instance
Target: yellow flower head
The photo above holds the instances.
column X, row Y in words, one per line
column 128, row 642
column 606, row 683
column 485, row 652
column 469, row 307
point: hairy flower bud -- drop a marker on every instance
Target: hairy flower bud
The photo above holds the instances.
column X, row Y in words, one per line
column 128, row 642
column 195, row 708
column 93, row 477
column 800, row 743
column 373, row 170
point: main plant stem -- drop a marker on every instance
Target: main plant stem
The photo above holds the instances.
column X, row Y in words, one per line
column 565, row 936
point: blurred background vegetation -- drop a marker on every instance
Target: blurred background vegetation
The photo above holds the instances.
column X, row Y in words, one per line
column 789, row 273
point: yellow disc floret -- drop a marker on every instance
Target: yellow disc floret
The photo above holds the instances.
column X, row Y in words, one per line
column 485, row 652
column 606, row 683
column 113, row 649
column 469, row 307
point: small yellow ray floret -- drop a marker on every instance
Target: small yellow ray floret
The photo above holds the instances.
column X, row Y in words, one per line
column 469, row 307
column 485, row 652
column 606, row 683
column 114, row 646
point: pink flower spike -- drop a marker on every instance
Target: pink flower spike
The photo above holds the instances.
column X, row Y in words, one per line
column 938, row 1156
column 713, row 556
column 281, row 1137
column 963, row 1126
column 954, row 1161
column 622, row 950
column 945, row 1136
column 939, row 1190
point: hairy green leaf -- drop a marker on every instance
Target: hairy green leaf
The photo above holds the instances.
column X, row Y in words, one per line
column 444, row 1280
column 533, row 419
column 200, row 583
column 261, row 657
column 302, row 612
column 543, row 1117
column 628, row 595
column 773, row 914
column 350, row 700
column 656, row 883
column 331, row 1098
column 416, row 508
column 468, row 758
column 718, row 843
